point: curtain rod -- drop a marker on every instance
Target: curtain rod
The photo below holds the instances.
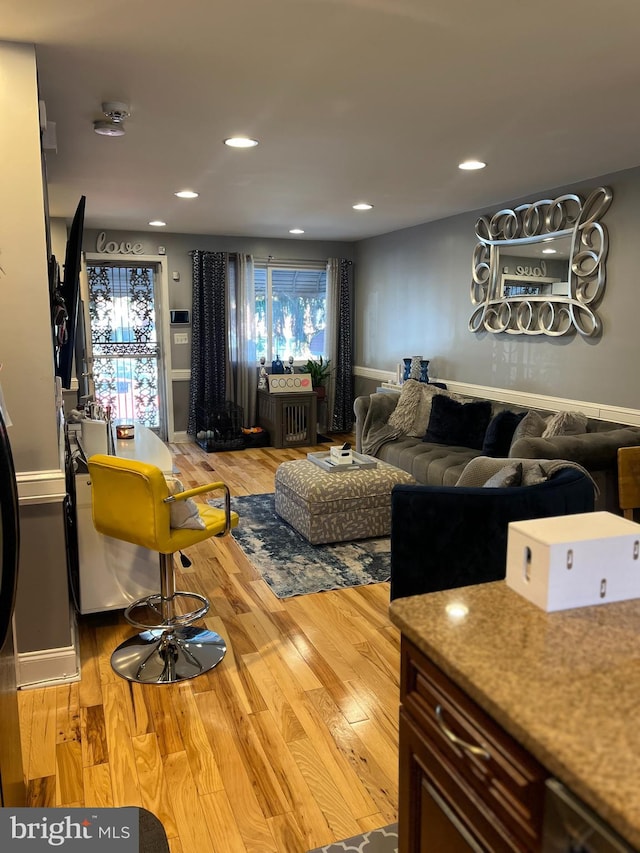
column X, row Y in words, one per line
column 270, row 259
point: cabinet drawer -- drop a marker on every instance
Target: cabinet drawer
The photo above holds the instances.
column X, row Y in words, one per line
column 438, row 810
column 506, row 776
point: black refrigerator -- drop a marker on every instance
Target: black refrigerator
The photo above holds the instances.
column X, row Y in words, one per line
column 12, row 786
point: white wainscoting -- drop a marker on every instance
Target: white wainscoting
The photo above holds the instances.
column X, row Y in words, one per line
column 46, row 667
column 601, row 411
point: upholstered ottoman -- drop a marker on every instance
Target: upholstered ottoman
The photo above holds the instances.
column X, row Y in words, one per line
column 339, row 506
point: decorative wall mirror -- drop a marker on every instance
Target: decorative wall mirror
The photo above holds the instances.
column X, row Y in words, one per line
column 540, row 268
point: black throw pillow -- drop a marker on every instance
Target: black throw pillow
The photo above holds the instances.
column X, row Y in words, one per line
column 458, row 424
column 497, row 439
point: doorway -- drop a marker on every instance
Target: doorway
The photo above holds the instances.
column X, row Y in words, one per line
column 123, row 313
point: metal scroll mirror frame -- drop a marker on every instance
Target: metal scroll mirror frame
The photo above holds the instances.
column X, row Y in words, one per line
column 540, row 268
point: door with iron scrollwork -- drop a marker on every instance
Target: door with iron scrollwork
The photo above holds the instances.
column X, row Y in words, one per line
column 124, row 341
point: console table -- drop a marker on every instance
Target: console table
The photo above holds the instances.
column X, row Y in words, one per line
column 291, row 419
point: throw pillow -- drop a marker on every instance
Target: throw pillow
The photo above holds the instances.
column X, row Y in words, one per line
column 423, row 412
column 497, row 439
column 404, row 414
column 458, row 424
column 566, row 423
column 531, row 426
column 532, row 474
column 184, row 514
column 510, row 475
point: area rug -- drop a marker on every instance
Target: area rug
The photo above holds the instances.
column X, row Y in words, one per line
column 384, row 840
column 291, row 565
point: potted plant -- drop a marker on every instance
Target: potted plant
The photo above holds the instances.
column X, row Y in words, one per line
column 319, row 370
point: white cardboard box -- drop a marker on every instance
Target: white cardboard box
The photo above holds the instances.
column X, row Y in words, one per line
column 574, row 560
column 339, row 455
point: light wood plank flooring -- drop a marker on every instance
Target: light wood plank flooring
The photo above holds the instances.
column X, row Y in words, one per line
column 289, row 744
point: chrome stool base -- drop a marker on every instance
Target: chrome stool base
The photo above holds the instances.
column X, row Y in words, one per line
column 165, row 657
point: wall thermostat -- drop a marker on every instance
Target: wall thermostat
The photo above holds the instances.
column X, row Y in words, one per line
column 180, row 317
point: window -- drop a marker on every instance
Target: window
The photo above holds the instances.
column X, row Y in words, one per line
column 291, row 305
column 124, row 340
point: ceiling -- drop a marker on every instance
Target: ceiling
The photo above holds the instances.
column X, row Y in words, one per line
column 351, row 100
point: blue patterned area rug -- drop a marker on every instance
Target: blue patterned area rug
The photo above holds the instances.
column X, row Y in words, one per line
column 291, row 565
column 383, row 840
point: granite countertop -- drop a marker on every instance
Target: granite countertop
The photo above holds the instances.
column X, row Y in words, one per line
column 566, row 684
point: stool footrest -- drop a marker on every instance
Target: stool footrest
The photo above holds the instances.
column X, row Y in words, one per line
column 153, row 603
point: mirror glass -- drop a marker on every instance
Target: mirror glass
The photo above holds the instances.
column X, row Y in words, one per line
column 534, row 269
column 540, row 268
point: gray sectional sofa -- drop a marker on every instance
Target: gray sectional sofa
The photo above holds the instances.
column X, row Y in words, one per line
column 435, row 463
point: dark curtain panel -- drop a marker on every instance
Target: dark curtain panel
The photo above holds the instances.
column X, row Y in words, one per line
column 342, row 420
column 208, row 333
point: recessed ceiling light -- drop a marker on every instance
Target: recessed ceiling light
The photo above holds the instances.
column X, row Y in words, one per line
column 548, row 251
column 363, row 205
column 471, row 165
column 296, row 231
column 241, row 142
column 158, row 223
column 187, row 194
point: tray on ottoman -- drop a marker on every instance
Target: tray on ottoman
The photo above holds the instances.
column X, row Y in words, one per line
column 324, row 508
column 322, row 458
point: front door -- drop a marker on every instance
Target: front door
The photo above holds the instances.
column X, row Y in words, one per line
column 124, row 341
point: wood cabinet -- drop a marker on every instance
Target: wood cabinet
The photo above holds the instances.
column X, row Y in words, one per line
column 465, row 783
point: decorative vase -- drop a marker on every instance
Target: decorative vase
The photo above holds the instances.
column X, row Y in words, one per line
column 415, row 368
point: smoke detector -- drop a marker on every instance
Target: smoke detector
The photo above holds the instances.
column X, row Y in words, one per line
column 115, row 112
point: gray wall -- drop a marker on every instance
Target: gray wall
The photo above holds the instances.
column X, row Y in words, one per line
column 43, row 617
column 26, row 342
column 412, row 297
column 178, row 248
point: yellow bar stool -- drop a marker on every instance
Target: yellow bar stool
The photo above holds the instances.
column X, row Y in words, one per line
column 131, row 501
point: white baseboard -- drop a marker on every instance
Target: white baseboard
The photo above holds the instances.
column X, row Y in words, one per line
column 181, row 437
column 49, row 667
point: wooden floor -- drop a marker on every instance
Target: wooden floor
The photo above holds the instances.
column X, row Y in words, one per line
column 289, row 744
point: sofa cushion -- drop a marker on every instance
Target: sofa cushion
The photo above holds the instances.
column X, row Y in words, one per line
column 497, row 439
column 458, row 424
column 566, row 423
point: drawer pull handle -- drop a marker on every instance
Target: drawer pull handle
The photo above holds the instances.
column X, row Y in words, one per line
column 464, row 746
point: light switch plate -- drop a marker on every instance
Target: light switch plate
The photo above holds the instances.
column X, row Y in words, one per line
column 180, row 338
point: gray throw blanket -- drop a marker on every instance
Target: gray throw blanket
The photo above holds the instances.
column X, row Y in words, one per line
column 480, row 469
column 375, row 429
